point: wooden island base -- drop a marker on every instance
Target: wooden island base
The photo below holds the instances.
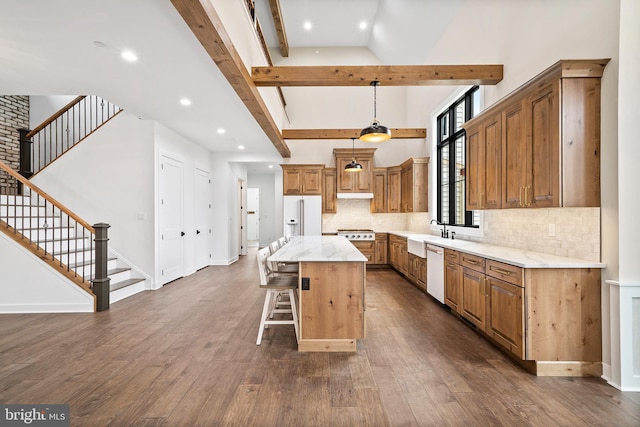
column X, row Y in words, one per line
column 327, row 345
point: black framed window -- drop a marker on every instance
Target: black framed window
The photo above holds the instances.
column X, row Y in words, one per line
column 451, row 142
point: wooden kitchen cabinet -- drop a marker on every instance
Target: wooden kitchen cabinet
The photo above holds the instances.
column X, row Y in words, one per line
column 329, row 190
column 452, row 280
column 550, row 129
column 366, row 248
column 354, row 182
column 474, row 302
column 302, row 179
column 417, row 271
column 379, row 185
column 380, row 253
column 414, row 185
column 483, row 175
column 394, row 190
column 398, row 254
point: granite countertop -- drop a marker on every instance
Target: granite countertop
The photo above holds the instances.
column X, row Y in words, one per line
column 318, row 249
column 518, row 257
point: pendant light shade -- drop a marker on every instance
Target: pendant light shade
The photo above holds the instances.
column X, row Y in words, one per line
column 353, row 166
column 376, row 132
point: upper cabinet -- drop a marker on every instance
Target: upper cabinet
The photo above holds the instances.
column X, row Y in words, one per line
column 379, row 187
column 414, row 185
column 354, row 182
column 302, row 179
column 329, row 202
column 544, row 139
column 394, row 190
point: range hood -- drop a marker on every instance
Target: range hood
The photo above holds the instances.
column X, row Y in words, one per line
column 355, row 195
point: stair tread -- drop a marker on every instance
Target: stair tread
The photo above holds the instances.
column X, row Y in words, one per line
column 87, row 262
column 114, row 271
column 124, row 283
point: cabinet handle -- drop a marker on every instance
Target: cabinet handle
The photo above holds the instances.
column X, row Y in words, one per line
column 520, row 199
column 527, row 197
column 451, row 265
column 472, row 262
column 482, row 286
column 501, row 271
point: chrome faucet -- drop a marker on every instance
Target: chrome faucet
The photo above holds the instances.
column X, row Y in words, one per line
column 444, row 233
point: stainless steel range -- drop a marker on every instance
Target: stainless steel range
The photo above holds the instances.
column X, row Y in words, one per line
column 354, row 234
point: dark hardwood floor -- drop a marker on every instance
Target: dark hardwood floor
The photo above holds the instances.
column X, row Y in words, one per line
column 185, row 355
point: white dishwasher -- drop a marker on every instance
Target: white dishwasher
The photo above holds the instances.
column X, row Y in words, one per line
column 435, row 272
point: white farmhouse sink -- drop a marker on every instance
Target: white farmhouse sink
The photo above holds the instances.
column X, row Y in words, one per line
column 416, row 246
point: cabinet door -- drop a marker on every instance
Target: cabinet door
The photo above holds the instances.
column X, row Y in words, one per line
column 379, row 202
column 543, row 187
column 311, row 181
column 474, row 299
column 403, row 257
column 412, row 268
column 395, row 188
column 366, row 248
column 506, row 315
column 421, row 272
column 452, row 285
column 329, row 202
column 380, row 253
column 491, row 197
column 362, row 180
column 406, row 189
column 346, row 181
column 474, row 169
column 292, row 181
column 514, row 151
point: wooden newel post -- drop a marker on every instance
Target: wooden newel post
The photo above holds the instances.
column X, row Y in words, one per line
column 26, row 169
column 101, row 281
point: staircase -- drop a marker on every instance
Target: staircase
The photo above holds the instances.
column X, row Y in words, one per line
column 37, row 226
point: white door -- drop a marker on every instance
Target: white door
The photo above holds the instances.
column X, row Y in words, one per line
column 171, row 219
column 242, row 188
column 202, row 220
column 253, row 216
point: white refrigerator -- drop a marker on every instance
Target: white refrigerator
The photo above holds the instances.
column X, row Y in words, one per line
column 302, row 215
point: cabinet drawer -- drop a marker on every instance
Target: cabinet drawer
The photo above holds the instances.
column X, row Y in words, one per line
column 451, row 255
column 505, row 272
column 473, row 262
column 397, row 239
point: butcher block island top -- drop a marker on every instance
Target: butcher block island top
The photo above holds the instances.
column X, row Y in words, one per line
column 331, row 288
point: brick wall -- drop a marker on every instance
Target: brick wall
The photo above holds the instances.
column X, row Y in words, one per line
column 14, row 114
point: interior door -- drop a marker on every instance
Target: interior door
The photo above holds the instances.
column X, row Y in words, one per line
column 202, row 220
column 253, row 216
column 171, row 219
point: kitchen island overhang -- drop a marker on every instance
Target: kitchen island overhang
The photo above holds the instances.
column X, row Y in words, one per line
column 331, row 289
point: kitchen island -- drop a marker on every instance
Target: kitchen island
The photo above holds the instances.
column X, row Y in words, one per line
column 331, row 288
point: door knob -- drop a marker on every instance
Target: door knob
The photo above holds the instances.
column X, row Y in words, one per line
column 182, row 233
column 197, row 231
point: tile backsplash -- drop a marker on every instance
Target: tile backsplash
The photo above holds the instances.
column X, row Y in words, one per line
column 570, row 232
column 356, row 213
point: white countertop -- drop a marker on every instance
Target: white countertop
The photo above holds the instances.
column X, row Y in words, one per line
column 318, row 249
column 518, row 257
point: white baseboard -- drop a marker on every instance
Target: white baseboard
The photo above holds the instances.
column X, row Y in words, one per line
column 47, row 308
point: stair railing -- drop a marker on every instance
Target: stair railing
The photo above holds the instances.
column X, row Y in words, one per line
column 55, row 234
column 62, row 131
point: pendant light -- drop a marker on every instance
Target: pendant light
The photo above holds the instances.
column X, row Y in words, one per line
column 376, row 132
column 353, row 166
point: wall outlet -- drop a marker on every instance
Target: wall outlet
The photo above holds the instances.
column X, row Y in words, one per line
column 552, row 230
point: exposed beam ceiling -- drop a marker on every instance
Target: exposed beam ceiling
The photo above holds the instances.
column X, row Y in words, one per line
column 398, row 133
column 206, row 25
column 278, row 22
column 387, row 75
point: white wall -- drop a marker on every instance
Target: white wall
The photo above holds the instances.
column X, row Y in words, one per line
column 30, row 286
column 109, row 177
column 42, row 107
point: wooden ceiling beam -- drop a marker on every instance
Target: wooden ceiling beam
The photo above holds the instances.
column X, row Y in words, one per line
column 387, row 75
column 278, row 22
column 397, row 133
column 206, row 25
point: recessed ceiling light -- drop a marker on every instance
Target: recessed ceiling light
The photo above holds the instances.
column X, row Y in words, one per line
column 363, row 25
column 240, row 147
column 129, row 56
column 270, row 166
column 221, row 131
column 185, row 101
column 307, row 25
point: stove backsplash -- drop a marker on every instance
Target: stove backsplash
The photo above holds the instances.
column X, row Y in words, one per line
column 356, row 213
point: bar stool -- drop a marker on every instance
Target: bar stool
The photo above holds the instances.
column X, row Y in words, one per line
column 281, row 267
column 276, row 286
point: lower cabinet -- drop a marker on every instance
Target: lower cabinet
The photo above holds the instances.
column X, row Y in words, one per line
column 366, row 247
column 380, row 253
column 549, row 318
column 398, row 254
